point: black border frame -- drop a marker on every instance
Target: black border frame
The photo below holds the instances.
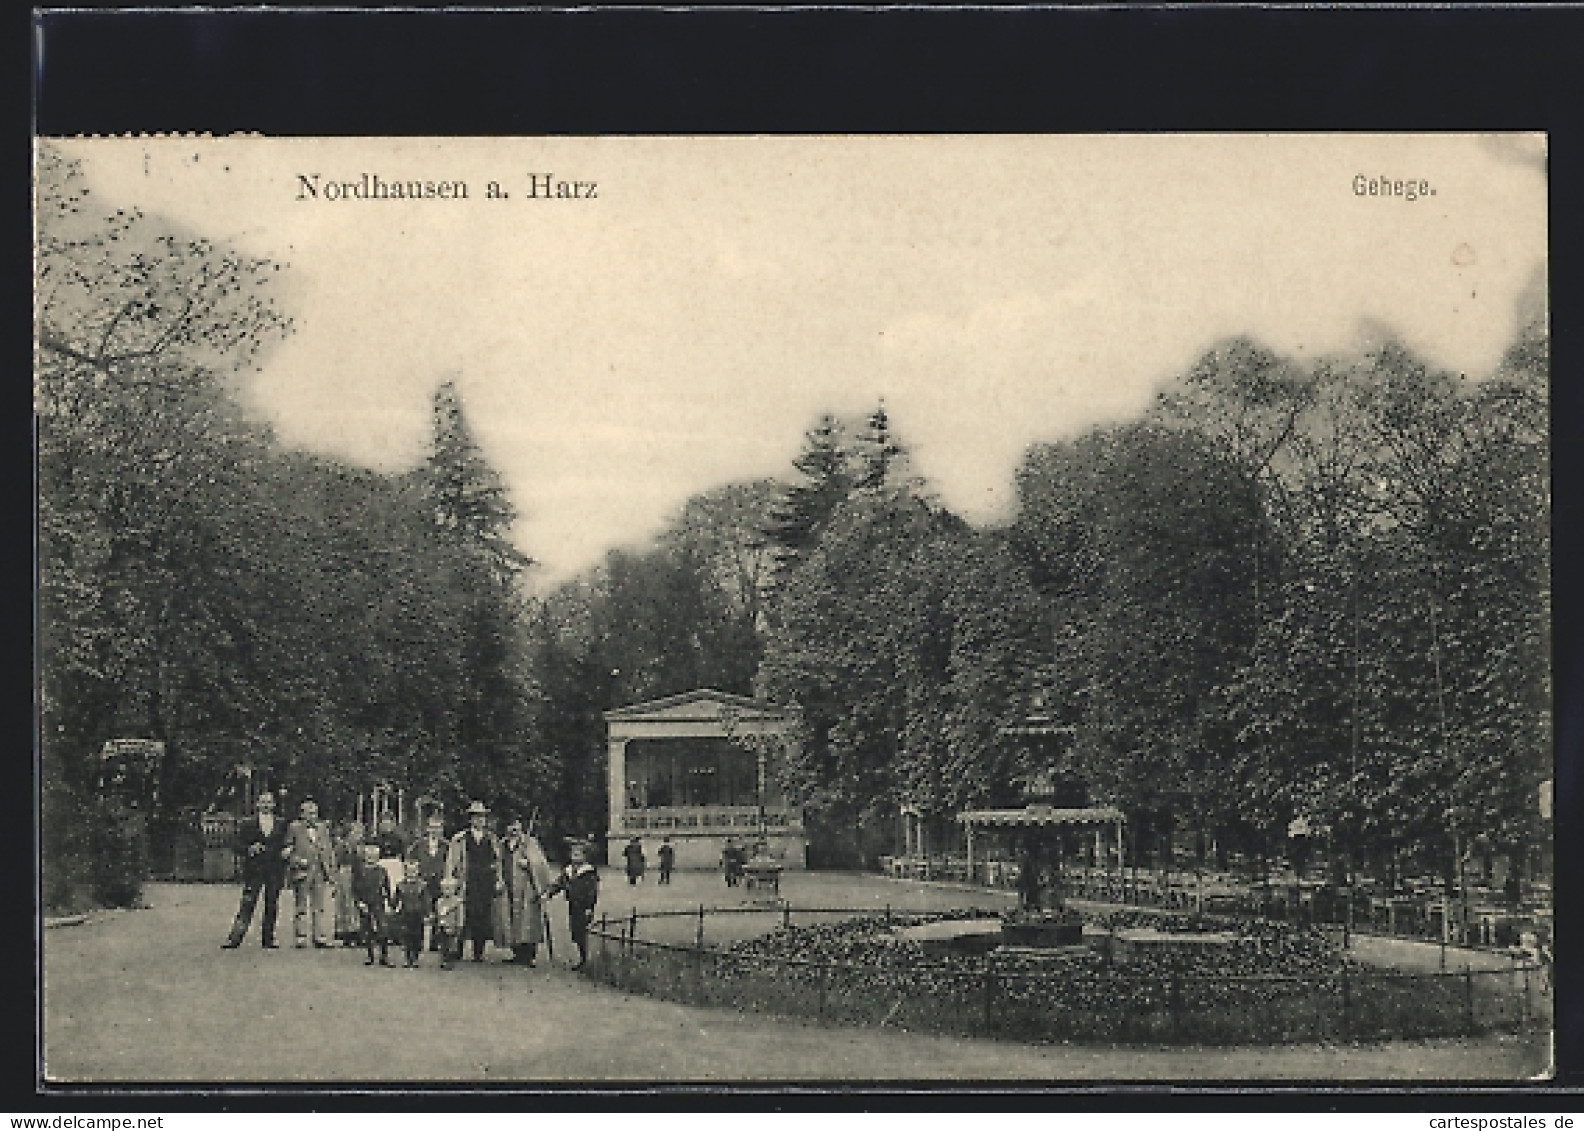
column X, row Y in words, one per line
column 1031, row 69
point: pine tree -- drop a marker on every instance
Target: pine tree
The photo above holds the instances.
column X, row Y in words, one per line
column 489, row 707
column 469, row 501
column 879, row 455
column 826, row 467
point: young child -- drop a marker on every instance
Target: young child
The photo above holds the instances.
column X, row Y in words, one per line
column 411, row 908
column 371, row 891
column 448, row 922
column 580, row 881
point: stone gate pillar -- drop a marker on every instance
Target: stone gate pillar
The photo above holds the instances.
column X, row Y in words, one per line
column 616, row 776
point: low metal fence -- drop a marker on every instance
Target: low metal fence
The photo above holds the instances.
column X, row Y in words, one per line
column 991, row 996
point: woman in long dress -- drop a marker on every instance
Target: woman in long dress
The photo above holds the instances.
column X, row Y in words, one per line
column 347, row 924
column 519, row 912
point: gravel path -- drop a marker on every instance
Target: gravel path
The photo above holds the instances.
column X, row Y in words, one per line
column 149, row 996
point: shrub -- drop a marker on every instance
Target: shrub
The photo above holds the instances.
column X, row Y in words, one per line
column 93, row 849
column 119, row 842
column 65, row 860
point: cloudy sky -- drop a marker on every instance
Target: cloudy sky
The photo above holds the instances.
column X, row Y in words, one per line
column 683, row 328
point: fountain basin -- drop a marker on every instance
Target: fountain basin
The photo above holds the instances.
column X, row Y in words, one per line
column 954, row 936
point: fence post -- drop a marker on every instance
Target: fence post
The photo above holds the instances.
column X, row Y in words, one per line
column 632, row 930
column 989, row 994
column 1526, row 994
column 888, row 914
column 1176, row 1006
column 824, row 978
column 698, row 941
column 1468, row 997
column 786, row 916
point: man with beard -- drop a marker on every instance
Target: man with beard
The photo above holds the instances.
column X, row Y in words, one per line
column 474, row 861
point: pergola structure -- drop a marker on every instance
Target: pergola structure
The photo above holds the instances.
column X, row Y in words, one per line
column 1037, row 816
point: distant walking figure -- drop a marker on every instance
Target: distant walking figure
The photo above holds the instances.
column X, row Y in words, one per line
column 635, row 860
column 733, row 857
column 667, row 860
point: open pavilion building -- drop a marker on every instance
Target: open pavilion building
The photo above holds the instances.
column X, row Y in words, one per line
column 699, row 768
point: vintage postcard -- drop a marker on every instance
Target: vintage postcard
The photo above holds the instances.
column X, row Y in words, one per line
column 849, row 609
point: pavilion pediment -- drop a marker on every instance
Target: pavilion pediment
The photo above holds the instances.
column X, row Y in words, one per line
column 702, row 706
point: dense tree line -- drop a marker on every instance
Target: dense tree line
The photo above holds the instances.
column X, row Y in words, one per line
column 1315, row 590
column 205, row 586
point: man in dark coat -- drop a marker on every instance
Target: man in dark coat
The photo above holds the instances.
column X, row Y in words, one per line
column 667, row 860
column 372, row 891
column 430, row 851
column 635, row 860
column 580, row 881
column 261, row 842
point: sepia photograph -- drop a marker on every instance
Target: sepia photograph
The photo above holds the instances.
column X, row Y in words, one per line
column 824, row 609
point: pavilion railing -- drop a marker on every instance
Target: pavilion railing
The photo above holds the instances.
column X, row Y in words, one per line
column 684, row 962
column 711, row 818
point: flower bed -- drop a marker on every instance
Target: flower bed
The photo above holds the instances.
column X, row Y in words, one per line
column 1268, row 984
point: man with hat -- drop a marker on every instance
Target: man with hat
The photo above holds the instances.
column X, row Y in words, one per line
column 519, row 918
column 474, row 861
column 261, row 842
column 313, row 871
column 430, row 852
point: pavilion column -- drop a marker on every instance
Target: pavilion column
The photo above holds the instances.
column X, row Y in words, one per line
column 616, row 778
column 969, row 829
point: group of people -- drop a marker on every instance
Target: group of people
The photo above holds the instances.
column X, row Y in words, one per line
column 471, row 888
column 638, row 864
